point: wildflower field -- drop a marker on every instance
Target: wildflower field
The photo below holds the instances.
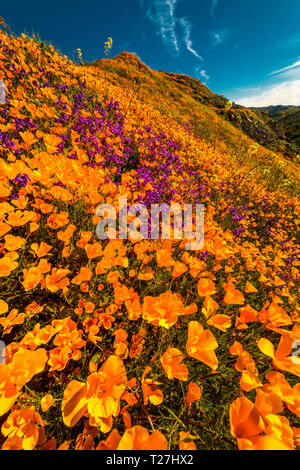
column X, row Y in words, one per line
column 140, row 344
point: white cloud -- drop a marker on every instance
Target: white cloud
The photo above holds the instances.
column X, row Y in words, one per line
column 187, row 27
column 161, row 12
column 283, row 88
column 285, row 93
column 202, row 75
column 294, row 65
column 173, row 31
column 218, row 37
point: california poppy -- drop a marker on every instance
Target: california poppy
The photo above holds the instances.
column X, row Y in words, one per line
column 201, row 344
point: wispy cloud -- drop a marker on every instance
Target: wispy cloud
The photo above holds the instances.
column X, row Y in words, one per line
column 187, row 27
column 285, row 93
column 282, row 87
column 292, row 66
column 202, row 75
column 161, row 12
column 213, row 8
column 174, row 31
column 218, row 37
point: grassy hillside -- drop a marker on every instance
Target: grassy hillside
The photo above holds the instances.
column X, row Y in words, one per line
column 140, row 344
column 288, row 120
column 189, row 101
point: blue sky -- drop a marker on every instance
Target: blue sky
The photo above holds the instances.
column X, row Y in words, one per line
column 247, row 50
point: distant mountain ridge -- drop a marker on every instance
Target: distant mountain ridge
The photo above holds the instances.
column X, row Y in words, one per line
column 275, row 109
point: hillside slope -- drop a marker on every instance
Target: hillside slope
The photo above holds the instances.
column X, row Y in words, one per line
column 288, row 120
column 140, row 343
column 206, row 112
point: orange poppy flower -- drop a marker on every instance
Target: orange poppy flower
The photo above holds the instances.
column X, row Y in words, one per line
column 92, row 336
column 190, row 309
column 13, row 243
column 32, row 277
column 106, row 320
column 247, row 425
column 7, row 266
column 151, row 391
column 59, row 358
column 4, row 228
column 194, row 393
column 94, row 250
column 179, row 269
column 113, row 277
column 28, row 138
column 44, row 266
column 245, row 419
column 209, row 307
column 103, row 392
column 85, row 274
column 220, row 321
column 21, row 429
column 274, row 315
column 66, row 251
column 146, row 275
column 164, row 258
column 282, row 358
column 126, row 417
column 201, row 344
column 46, row 402
column 195, row 265
column 51, row 142
column 245, row 364
column 61, row 193
column 41, row 250
column 56, row 221
column 3, row 307
column 134, row 309
column 247, row 314
column 33, row 227
column 163, row 310
column 206, row 287
column 84, row 239
column 186, row 441
column 233, row 296
column 138, row 438
column 4, row 191
column 280, row 391
column 249, row 288
column 14, row 318
column 270, row 442
column 57, row 280
column 74, row 403
column 171, row 360
column 66, row 234
column 111, row 443
column 122, row 293
column 14, row 375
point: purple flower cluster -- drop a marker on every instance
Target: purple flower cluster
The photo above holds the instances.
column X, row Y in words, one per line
column 20, row 179
column 17, row 182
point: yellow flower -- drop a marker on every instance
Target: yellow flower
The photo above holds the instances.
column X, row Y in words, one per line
column 108, row 46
